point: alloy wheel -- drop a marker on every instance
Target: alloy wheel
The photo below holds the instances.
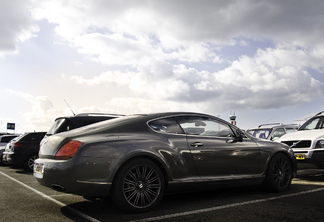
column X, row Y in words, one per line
column 141, row 186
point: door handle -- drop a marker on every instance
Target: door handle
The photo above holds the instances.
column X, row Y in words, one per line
column 197, row 144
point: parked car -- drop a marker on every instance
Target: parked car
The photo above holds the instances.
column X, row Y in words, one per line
column 308, row 142
column 136, row 159
column 4, row 140
column 23, row 150
column 62, row 124
column 272, row 131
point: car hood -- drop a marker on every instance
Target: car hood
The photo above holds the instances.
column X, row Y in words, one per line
column 302, row 135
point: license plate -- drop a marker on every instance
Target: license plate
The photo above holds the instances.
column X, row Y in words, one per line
column 38, row 170
column 300, row 156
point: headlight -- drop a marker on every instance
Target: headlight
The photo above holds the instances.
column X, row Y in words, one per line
column 320, row 144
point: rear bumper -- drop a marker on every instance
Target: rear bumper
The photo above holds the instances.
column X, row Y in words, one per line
column 70, row 177
column 13, row 158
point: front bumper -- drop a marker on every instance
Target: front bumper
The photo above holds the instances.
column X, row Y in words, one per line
column 313, row 157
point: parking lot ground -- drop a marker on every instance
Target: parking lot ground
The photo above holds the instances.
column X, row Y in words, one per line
column 23, row 199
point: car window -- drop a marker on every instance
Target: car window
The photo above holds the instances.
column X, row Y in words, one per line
column 316, row 123
column 166, row 125
column 290, row 130
column 204, row 126
column 34, row 137
column 260, row 133
column 6, row 139
column 61, row 125
column 278, row 133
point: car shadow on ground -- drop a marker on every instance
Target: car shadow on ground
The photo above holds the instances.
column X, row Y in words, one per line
column 104, row 209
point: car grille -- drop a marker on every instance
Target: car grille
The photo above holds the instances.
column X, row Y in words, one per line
column 298, row 143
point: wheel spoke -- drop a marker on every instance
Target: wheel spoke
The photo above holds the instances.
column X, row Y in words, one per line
column 281, row 173
column 141, row 186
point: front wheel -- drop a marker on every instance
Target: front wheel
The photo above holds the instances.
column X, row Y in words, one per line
column 279, row 173
column 138, row 187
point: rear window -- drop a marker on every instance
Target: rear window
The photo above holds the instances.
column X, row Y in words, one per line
column 33, row 137
column 6, row 139
column 61, row 125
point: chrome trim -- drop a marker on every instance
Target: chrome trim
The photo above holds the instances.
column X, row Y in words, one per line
column 94, row 182
column 219, row 178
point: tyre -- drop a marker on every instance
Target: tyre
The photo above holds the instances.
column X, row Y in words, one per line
column 138, row 186
column 279, row 174
column 29, row 162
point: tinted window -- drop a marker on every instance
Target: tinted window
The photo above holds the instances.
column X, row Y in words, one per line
column 166, row 125
column 33, row 137
column 6, row 139
column 204, row 126
column 61, row 125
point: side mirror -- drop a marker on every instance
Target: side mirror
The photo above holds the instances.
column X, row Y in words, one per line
column 236, row 139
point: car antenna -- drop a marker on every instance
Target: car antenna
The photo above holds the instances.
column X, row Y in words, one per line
column 69, row 107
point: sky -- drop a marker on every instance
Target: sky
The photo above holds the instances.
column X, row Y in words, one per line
column 261, row 60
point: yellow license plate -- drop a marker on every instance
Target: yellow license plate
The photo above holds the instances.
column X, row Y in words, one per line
column 300, row 156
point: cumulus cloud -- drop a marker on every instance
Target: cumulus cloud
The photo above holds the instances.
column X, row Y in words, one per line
column 173, row 52
column 16, row 25
column 271, row 79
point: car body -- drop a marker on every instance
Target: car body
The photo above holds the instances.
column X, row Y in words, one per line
column 23, row 150
column 272, row 131
column 4, row 140
column 147, row 155
column 308, row 142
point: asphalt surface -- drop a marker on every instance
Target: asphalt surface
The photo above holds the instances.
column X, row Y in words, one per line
column 23, row 199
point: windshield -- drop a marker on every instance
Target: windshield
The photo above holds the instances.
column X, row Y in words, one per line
column 260, row 133
column 314, row 123
column 60, row 125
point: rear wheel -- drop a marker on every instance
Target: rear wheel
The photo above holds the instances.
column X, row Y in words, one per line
column 138, row 187
column 29, row 162
column 279, row 173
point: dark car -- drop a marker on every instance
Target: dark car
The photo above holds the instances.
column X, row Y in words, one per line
column 67, row 123
column 136, row 159
column 62, row 124
column 23, row 150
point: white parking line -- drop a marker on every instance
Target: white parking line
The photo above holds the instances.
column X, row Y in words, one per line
column 87, row 217
column 226, row 206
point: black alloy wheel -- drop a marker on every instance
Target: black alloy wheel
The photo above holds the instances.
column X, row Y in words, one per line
column 139, row 186
column 279, row 173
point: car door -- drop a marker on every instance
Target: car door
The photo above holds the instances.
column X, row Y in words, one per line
column 214, row 150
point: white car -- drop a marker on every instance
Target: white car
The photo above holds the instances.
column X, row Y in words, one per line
column 4, row 140
column 308, row 142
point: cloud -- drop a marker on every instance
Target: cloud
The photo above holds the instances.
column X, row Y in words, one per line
column 16, row 25
column 172, row 54
column 270, row 79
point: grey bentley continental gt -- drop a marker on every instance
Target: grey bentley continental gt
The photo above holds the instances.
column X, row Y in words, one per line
column 137, row 159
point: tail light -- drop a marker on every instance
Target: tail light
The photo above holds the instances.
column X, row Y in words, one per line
column 15, row 145
column 68, row 150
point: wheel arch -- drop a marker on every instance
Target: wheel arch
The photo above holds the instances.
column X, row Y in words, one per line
column 276, row 153
column 160, row 163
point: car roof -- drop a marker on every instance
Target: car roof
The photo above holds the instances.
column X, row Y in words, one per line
column 90, row 115
column 274, row 126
